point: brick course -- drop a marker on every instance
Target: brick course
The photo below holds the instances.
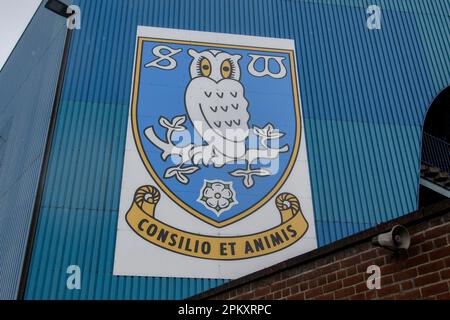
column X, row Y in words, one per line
column 338, row 271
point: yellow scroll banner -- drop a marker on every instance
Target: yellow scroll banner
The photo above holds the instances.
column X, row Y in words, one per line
column 141, row 218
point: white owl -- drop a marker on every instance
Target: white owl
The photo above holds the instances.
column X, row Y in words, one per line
column 216, row 105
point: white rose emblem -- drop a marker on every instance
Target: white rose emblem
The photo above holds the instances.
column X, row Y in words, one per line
column 217, row 196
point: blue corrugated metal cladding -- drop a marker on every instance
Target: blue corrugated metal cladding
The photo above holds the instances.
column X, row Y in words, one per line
column 27, row 91
column 364, row 95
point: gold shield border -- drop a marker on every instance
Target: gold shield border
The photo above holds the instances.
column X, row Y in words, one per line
column 178, row 201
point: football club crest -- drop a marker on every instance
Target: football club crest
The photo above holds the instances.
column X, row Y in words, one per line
column 215, row 172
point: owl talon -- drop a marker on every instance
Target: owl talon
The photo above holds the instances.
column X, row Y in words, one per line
column 218, row 162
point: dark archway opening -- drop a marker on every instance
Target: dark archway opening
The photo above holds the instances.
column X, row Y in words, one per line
column 435, row 163
column 437, row 121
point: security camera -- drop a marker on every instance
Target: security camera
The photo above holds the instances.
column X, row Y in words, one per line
column 396, row 239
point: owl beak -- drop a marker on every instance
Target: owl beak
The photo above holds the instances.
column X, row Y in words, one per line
column 215, row 79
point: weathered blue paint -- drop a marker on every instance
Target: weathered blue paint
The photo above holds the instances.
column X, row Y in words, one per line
column 364, row 95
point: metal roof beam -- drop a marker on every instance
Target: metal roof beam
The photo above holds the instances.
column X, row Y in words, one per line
column 58, row 7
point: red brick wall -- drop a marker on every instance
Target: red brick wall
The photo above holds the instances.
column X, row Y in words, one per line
column 422, row 273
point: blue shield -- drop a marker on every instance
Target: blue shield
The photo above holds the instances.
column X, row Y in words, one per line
column 217, row 125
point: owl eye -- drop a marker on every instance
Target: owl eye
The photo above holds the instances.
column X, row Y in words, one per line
column 205, row 67
column 225, row 69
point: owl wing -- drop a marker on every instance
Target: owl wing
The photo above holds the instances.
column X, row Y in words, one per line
column 221, row 107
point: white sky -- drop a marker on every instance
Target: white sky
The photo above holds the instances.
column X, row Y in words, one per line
column 14, row 17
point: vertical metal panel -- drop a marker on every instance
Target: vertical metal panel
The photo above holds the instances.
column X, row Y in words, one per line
column 27, row 90
column 364, row 95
